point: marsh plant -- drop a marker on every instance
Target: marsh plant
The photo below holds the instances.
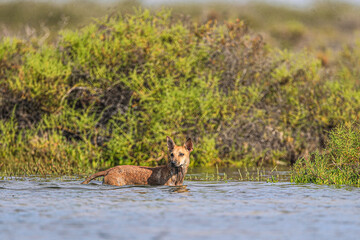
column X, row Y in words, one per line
column 338, row 164
column 243, row 174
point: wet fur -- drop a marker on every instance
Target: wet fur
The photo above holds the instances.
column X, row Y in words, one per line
column 172, row 174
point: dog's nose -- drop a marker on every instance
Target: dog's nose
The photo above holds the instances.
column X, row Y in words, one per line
column 173, row 164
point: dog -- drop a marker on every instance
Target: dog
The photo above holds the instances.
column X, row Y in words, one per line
column 172, row 174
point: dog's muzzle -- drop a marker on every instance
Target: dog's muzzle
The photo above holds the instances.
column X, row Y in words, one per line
column 173, row 164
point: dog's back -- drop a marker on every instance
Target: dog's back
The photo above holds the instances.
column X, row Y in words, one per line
column 135, row 175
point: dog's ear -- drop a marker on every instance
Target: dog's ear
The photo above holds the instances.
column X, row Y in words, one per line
column 170, row 143
column 189, row 145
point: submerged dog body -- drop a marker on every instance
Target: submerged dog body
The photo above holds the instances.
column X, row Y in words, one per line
column 171, row 174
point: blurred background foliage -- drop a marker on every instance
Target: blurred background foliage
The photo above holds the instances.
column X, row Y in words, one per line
column 321, row 25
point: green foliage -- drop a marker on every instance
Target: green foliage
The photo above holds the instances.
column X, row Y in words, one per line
column 349, row 73
column 323, row 24
column 46, row 149
column 112, row 91
column 339, row 163
column 289, row 33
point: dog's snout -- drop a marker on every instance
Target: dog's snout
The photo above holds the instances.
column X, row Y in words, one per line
column 175, row 163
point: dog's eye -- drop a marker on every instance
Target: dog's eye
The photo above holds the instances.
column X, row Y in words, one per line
column 171, row 155
column 181, row 154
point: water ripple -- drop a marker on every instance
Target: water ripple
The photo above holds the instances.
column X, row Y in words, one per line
column 54, row 209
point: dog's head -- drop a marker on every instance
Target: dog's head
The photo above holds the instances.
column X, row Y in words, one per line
column 179, row 156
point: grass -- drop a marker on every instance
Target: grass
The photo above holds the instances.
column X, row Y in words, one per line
column 109, row 93
column 258, row 174
column 338, row 164
column 232, row 174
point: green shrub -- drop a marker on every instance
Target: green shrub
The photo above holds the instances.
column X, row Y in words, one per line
column 349, row 59
column 112, row 91
column 338, row 164
column 289, row 33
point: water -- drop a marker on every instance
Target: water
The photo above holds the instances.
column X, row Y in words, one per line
column 35, row 208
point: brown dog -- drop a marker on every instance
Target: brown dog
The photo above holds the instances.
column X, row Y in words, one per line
column 171, row 174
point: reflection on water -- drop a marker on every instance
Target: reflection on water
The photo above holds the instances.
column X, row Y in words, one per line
column 36, row 208
column 281, row 173
column 179, row 189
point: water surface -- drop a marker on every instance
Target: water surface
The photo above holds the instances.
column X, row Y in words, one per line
column 37, row 208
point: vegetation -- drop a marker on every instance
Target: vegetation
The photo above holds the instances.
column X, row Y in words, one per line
column 46, row 18
column 323, row 26
column 231, row 174
column 108, row 93
column 339, row 164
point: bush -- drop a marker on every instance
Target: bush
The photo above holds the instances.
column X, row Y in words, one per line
column 289, row 33
column 110, row 92
column 339, row 163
